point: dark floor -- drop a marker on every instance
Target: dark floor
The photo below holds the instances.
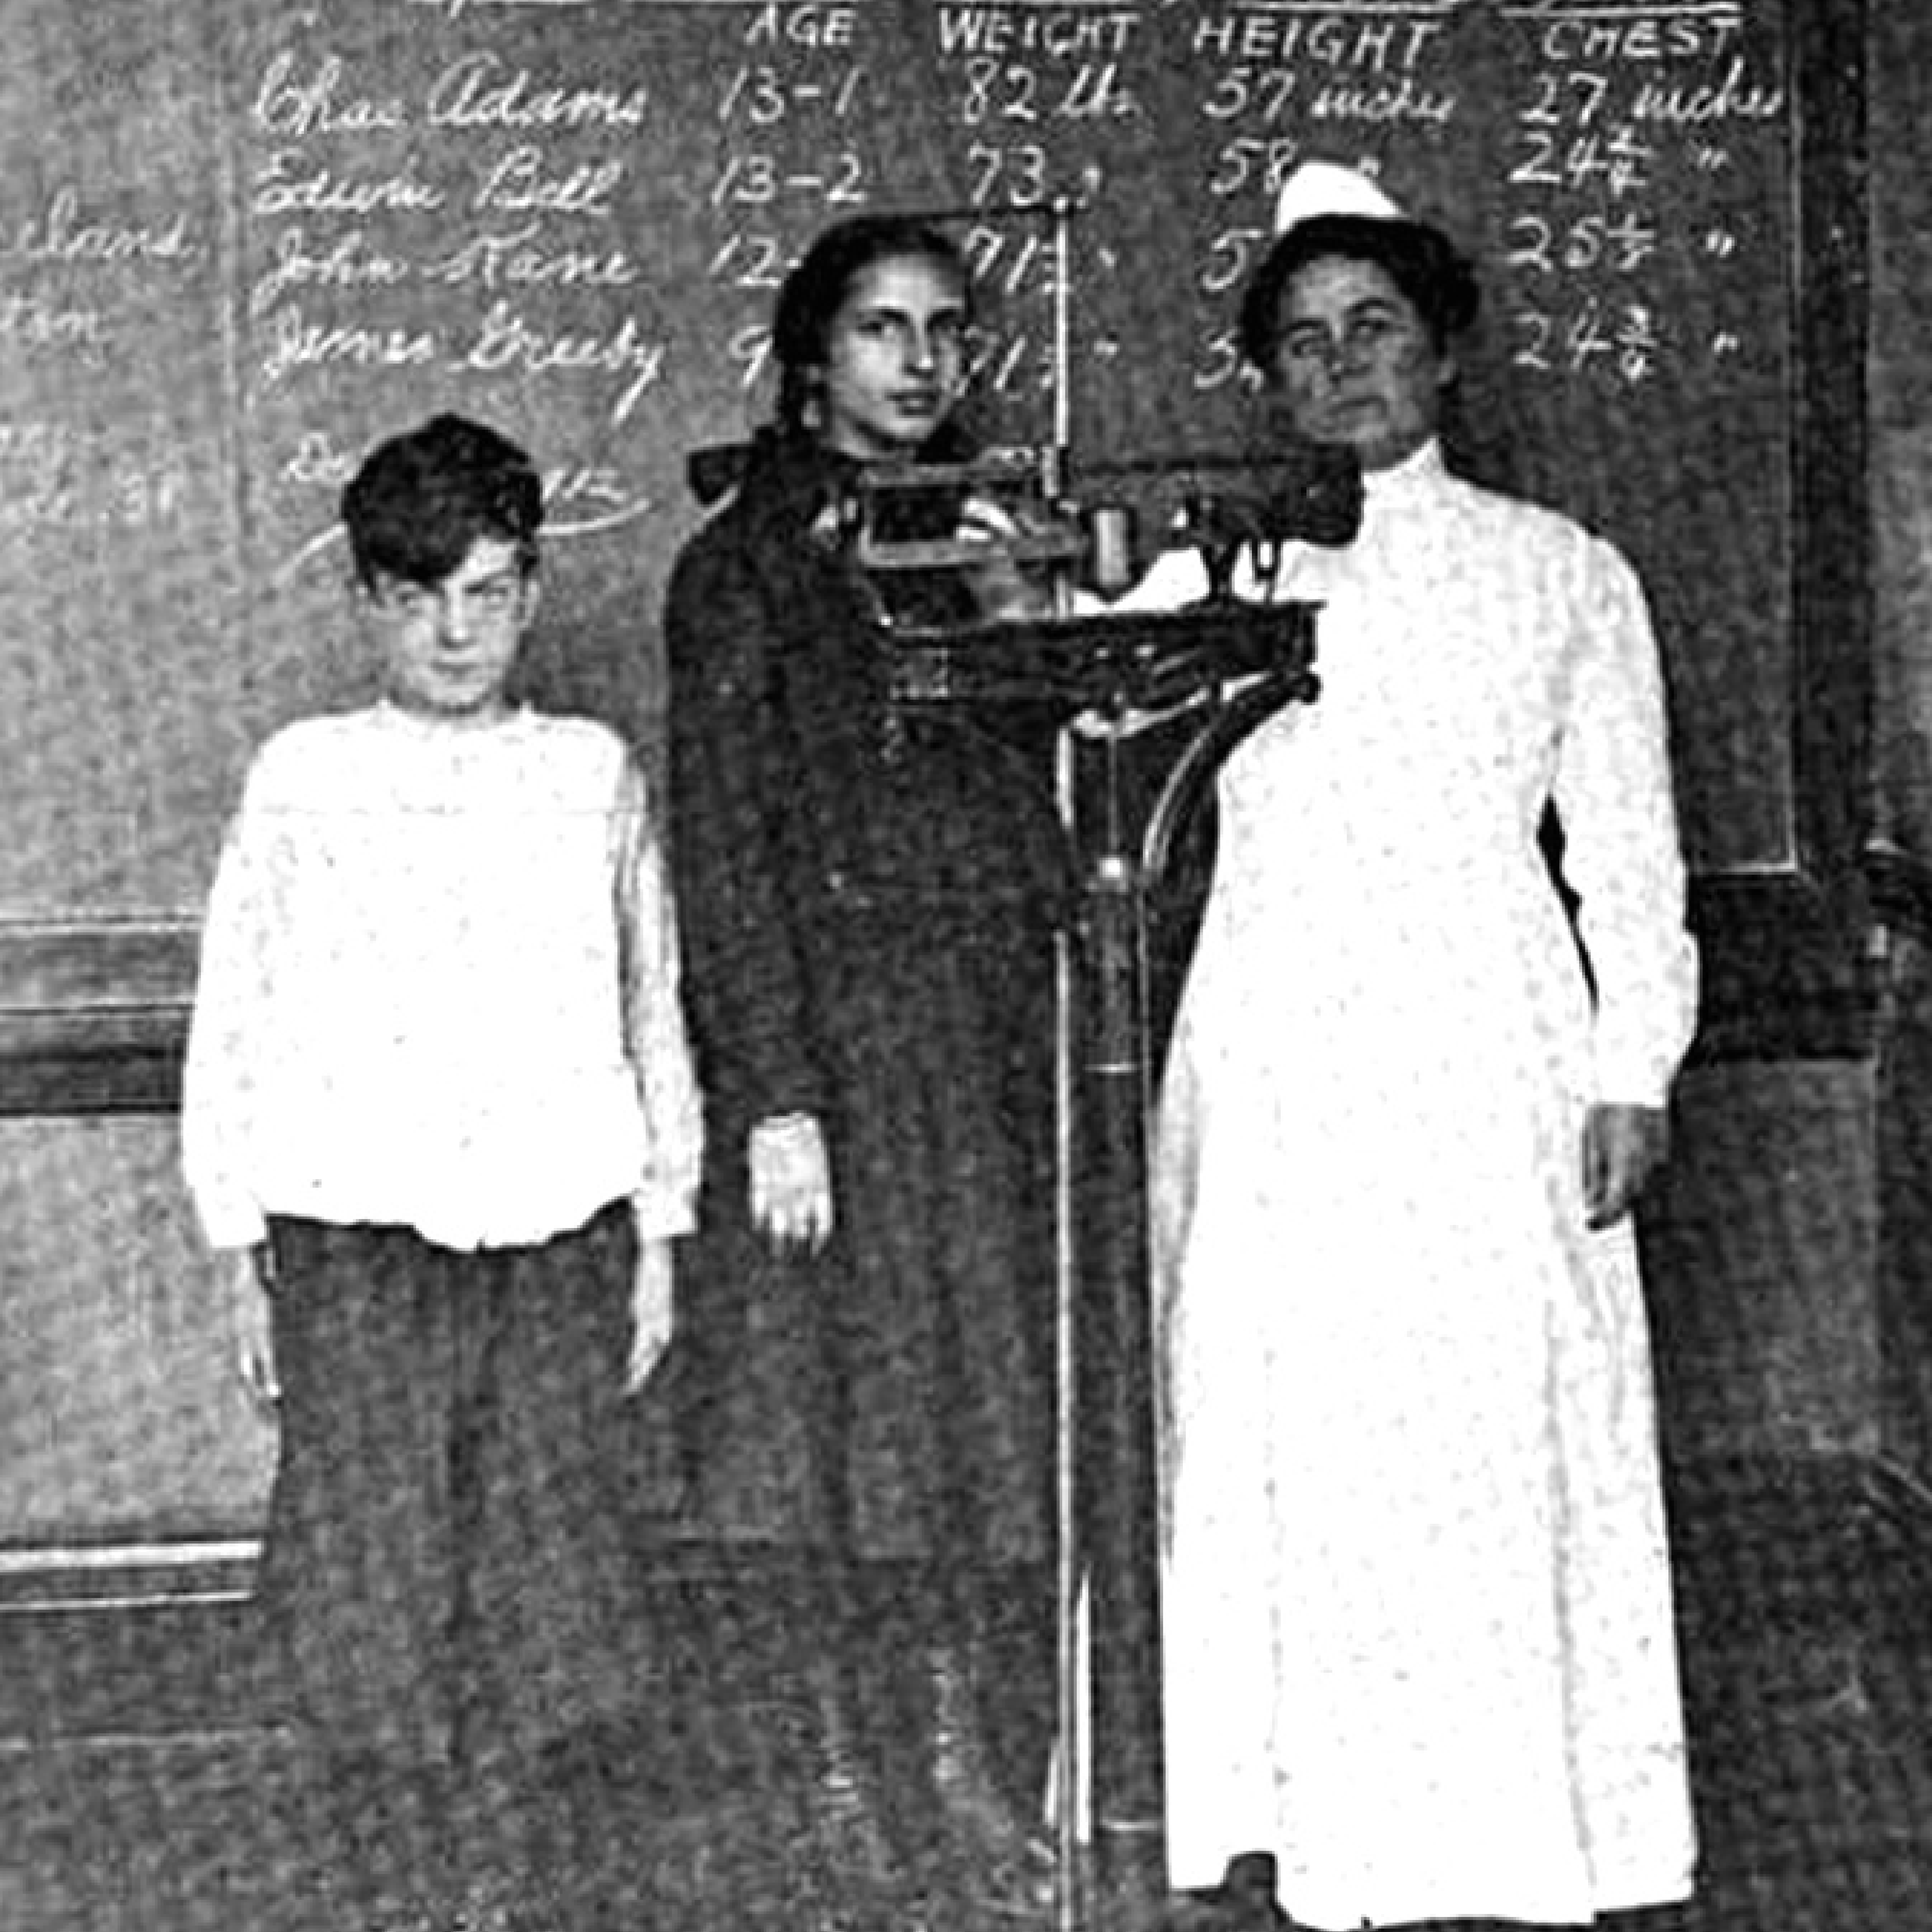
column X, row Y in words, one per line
column 140, row 1790
column 1806, row 1616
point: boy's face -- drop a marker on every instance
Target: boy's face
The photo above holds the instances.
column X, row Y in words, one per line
column 448, row 648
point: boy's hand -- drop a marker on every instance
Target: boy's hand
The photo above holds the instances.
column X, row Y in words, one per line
column 650, row 1312
column 250, row 1272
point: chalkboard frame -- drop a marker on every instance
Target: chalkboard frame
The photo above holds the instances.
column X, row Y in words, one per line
column 1788, row 968
column 94, row 1011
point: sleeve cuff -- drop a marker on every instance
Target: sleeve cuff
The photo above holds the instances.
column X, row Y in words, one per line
column 232, row 1223
column 1626, row 1078
column 662, row 1211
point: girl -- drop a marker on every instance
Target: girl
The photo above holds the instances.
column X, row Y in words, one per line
column 868, row 903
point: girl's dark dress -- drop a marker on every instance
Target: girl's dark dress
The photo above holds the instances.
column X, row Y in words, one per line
column 867, row 902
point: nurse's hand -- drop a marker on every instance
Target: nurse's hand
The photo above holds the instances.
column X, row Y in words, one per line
column 1622, row 1146
column 791, row 1182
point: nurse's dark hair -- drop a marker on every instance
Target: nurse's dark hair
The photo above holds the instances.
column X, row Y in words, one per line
column 422, row 499
column 1423, row 263
column 812, row 294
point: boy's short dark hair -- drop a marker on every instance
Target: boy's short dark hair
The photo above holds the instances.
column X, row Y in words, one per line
column 1419, row 258
column 421, row 500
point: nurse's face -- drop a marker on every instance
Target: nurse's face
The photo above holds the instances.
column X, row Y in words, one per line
column 1355, row 362
column 895, row 358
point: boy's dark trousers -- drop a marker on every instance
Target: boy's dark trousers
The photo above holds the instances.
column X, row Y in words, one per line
column 549, row 1842
column 448, row 1566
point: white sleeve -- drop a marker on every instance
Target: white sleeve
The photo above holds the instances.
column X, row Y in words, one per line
column 1621, row 857
column 228, row 1031
column 666, row 1197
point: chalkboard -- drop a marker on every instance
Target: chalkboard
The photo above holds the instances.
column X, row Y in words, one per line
column 239, row 240
column 121, row 666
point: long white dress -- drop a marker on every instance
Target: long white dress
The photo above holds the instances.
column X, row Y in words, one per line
column 1416, row 1596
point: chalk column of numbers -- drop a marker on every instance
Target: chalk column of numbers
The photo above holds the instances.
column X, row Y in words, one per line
column 1035, row 97
column 794, row 154
column 1619, row 241
column 1275, row 85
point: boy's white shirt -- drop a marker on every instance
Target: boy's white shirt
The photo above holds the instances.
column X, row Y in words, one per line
column 439, row 988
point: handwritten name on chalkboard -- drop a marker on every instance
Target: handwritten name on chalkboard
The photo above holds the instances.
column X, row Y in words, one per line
column 464, row 221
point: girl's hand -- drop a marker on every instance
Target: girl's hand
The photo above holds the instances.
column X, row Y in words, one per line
column 791, row 1182
column 1001, row 587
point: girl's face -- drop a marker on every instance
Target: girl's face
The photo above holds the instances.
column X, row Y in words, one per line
column 1356, row 363
column 448, row 647
column 895, row 358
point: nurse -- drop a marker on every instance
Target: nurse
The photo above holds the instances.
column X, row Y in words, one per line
column 1416, row 1595
column 871, row 901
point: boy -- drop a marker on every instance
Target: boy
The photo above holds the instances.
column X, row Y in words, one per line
column 439, row 1114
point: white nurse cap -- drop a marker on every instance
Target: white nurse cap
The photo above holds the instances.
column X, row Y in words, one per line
column 1328, row 187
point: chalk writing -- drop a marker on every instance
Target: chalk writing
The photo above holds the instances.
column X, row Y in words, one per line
column 1619, row 125
column 1053, row 105
column 581, row 499
column 1375, row 40
column 996, row 91
column 59, row 477
column 287, row 183
column 300, row 261
column 294, row 343
column 1584, row 118
column 467, row 218
column 293, row 105
column 1648, row 36
column 807, row 26
column 41, row 324
column 506, row 339
column 526, row 257
column 1023, row 32
column 804, row 116
column 64, row 232
column 484, row 91
column 522, row 182
column 1733, row 96
column 762, row 96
